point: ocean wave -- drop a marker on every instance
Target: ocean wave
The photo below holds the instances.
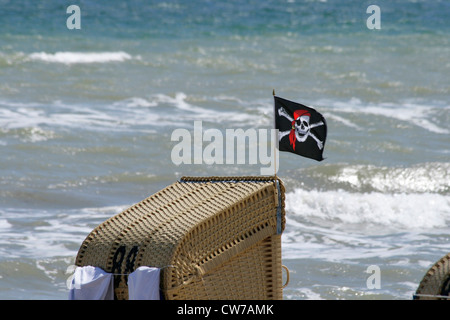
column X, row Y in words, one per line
column 125, row 114
column 80, row 57
column 427, row 177
column 417, row 114
column 191, row 108
column 136, row 102
column 371, row 210
column 44, row 234
column 431, row 177
column 4, row 224
column 32, row 117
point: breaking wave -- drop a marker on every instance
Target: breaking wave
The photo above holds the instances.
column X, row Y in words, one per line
column 427, row 117
column 413, row 197
column 81, row 57
column 431, row 177
column 375, row 209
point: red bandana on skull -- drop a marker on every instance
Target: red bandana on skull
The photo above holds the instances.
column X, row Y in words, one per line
column 297, row 115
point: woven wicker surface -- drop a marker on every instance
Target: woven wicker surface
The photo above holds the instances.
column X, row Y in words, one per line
column 436, row 282
column 209, row 235
column 252, row 274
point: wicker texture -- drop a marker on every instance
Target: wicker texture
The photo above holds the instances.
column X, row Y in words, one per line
column 435, row 285
column 215, row 238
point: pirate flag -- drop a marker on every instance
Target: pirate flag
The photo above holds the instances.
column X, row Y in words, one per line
column 302, row 130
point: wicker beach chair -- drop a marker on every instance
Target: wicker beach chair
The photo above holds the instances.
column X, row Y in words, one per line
column 435, row 285
column 213, row 238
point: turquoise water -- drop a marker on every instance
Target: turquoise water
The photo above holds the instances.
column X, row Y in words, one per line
column 86, row 118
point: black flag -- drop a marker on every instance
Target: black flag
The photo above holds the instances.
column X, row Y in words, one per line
column 302, row 130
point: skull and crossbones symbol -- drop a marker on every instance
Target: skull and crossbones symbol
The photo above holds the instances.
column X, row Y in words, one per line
column 301, row 127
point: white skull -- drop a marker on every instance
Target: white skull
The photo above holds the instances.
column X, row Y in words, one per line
column 302, row 128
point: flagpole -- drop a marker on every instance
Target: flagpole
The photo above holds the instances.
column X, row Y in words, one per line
column 276, row 138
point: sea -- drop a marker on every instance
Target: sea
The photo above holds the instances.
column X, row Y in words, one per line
column 91, row 95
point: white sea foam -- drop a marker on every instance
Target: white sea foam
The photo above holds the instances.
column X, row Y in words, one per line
column 120, row 115
column 39, row 233
column 413, row 113
column 137, row 102
column 305, row 240
column 190, row 111
column 4, row 224
column 431, row 177
column 342, row 120
column 375, row 209
column 32, row 116
column 80, row 57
